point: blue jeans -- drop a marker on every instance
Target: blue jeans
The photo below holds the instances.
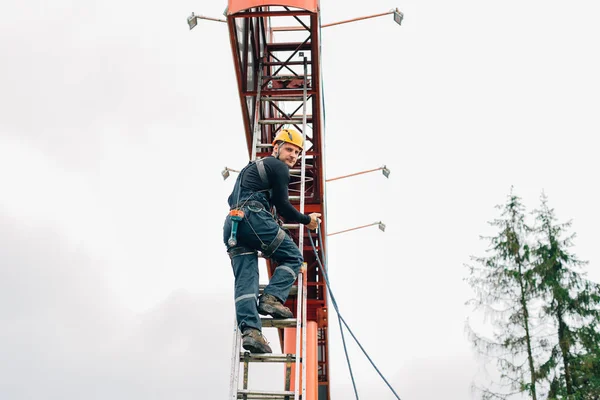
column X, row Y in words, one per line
column 256, row 230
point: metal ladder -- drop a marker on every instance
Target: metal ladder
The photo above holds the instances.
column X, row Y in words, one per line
column 245, row 358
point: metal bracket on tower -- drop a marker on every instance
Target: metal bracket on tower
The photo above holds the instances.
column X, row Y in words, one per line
column 193, row 20
column 379, row 224
column 385, row 170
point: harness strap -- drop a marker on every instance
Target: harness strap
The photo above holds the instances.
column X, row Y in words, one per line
column 248, row 203
column 240, row 251
column 262, row 172
column 272, row 247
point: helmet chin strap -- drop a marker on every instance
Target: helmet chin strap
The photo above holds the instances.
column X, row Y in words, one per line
column 277, row 151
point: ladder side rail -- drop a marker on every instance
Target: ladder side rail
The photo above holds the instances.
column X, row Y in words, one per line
column 257, row 108
column 303, row 161
column 304, row 326
column 299, row 309
column 302, row 195
column 235, row 375
column 235, row 362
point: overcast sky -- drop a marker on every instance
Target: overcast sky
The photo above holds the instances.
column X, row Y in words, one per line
column 116, row 121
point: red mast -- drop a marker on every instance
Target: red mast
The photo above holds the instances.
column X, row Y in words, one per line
column 270, row 39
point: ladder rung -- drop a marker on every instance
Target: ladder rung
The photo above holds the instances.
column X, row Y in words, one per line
column 281, row 92
column 291, row 226
column 259, row 394
column 293, row 289
column 283, row 98
column 278, row 323
column 285, row 121
column 274, row 358
column 271, row 63
column 264, row 145
column 289, row 46
column 284, row 77
column 298, row 173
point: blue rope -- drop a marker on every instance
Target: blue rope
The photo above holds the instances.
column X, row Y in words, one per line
column 340, row 318
column 345, row 349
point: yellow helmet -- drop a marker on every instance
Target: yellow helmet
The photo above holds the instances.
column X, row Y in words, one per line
column 289, row 136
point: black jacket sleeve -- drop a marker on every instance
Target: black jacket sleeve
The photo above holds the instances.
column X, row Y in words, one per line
column 280, row 180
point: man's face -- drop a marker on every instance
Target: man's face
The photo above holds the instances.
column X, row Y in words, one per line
column 288, row 153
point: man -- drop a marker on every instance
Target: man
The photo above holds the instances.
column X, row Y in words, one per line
column 259, row 186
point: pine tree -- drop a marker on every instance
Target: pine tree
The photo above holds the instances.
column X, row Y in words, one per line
column 571, row 302
column 586, row 365
column 504, row 288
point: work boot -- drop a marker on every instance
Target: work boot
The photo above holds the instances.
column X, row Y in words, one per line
column 270, row 305
column 254, row 341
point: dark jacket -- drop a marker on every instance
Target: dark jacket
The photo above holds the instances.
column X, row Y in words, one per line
column 270, row 190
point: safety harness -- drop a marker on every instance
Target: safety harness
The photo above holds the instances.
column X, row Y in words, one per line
column 237, row 215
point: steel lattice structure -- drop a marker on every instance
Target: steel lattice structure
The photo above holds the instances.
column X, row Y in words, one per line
column 270, row 41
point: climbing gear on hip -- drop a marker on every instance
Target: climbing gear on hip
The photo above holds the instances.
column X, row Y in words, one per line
column 249, row 203
column 236, row 213
column 236, row 216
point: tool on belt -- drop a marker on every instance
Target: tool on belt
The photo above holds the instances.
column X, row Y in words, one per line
column 236, row 216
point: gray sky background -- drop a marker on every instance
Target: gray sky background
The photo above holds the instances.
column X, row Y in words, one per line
column 116, row 120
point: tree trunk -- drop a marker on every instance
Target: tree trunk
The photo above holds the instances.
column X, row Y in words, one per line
column 527, row 336
column 564, row 349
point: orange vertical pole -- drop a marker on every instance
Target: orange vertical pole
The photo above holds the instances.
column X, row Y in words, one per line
column 289, row 347
column 312, row 380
